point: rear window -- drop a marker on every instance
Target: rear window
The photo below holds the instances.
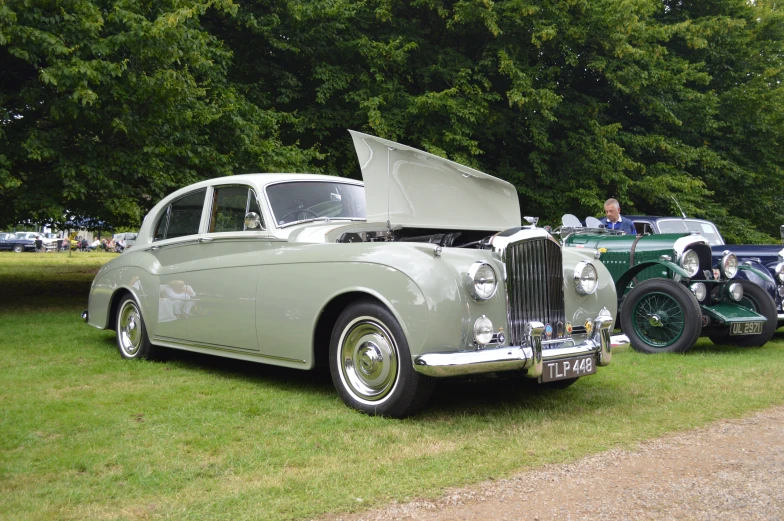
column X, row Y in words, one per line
column 707, row 230
column 181, row 217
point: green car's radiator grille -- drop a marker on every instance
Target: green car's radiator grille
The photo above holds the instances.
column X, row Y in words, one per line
column 535, row 289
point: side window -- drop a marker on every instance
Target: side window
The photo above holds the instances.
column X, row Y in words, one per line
column 230, row 204
column 642, row 228
column 182, row 217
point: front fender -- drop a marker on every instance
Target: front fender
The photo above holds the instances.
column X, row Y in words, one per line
column 626, row 278
column 757, row 274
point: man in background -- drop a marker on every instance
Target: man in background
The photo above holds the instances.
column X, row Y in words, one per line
column 613, row 219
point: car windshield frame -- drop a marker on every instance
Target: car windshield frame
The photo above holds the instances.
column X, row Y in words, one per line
column 309, row 198
column 705, row 228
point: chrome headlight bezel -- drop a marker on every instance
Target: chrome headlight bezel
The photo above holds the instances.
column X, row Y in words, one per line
column 583, row 283
column 477, row 275
column 690, row 261
column 735, row 291
column 483, row 331
column 780, row 272
column 700, row 291
column 728, row 265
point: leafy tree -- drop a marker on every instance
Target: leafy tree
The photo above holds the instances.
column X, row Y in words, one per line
column 108, row 105
column 572, row 101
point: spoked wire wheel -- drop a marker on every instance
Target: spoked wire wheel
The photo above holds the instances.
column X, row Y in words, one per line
column 661, row 315
column 658, row 319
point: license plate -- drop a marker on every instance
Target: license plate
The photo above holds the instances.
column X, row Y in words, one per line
column 568, row 368
column 746, row 328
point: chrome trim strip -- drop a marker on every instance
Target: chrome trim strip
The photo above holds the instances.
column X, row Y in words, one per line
column 473, row 362
column 530, row 357
column 178, row 343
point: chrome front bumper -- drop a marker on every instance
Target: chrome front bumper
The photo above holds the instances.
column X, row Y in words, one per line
column 530, row 357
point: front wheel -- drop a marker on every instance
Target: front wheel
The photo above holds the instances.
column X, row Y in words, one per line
column 18, row 248
column 756, row 299
column 661, row 316
column 132, row 339
column 371, row 365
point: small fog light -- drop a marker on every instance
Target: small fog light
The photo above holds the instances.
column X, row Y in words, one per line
column 483, row 330
column 699, row 290
column 735, row 291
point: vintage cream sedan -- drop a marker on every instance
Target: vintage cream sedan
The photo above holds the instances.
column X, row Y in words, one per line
column 422, row 272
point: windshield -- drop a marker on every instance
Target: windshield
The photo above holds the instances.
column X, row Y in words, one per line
column 298, row 201
column 706, row 229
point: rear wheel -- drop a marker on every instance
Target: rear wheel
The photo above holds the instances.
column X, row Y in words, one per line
column 132, row 339
column 758, row 300
column 661, row 316
column 371, row 365
column 18, row 248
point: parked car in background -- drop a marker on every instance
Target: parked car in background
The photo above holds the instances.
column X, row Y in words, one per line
column 764, row 260
column 425, row 272
column 670, row 295
column 126, row 238
column 19, row 242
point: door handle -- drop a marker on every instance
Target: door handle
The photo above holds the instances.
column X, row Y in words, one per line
column 205, row 239
column 155, row 248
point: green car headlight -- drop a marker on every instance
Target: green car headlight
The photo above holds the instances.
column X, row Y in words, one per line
column 482, row 281
column 586, row 278
column 699, row 290
column 735, row 291
column 728, row 264
column 690, row 262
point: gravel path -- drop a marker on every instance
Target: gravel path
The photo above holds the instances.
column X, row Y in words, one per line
column 730, row 470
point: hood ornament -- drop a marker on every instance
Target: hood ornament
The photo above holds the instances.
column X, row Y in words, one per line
column 531, row 220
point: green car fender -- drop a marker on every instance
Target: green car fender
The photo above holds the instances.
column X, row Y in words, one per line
column 624, row 280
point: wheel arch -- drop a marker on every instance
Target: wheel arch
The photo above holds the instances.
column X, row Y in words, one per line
column 114, row 303
column 624, row 280
column 329, row 316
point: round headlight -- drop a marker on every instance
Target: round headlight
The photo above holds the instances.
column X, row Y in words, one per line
column 699, row 290
column 482, row 281
column 585, row 278
column 780, row 272
column 735, row 291
column 690, row 262
column 483, row 330
column 728, row 265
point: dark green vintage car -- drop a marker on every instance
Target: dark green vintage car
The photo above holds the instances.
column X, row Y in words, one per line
column 669, row 295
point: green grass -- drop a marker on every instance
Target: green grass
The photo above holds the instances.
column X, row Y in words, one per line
column 87, row 435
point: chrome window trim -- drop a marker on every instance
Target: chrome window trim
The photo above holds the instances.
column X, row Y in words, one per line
column 210, row 203
column 154, row 228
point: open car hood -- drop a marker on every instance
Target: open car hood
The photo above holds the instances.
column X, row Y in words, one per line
column 410, row 188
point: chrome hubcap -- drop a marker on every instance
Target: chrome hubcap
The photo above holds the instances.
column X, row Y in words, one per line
column 368, row 359
column 129, row 334
column 655, row 320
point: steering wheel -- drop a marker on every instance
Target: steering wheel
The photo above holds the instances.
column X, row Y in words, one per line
column 300, row 211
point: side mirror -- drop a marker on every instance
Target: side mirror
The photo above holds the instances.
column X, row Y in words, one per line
column 252, row 221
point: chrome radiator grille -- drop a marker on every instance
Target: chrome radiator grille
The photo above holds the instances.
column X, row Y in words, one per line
column 535, row 287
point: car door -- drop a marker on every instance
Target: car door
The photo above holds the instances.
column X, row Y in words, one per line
column 225, row 270
column 175, row 242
